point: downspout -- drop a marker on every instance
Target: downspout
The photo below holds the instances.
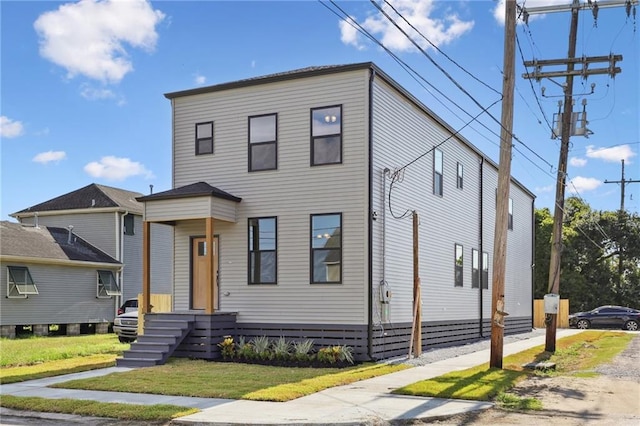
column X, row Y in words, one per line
column 481, row 254
column 370, row 215
column 533, row 257
column 121, row 258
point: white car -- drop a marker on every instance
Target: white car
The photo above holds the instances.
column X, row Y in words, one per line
column 126, row 326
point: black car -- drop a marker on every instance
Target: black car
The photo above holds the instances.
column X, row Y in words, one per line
column 607, row 317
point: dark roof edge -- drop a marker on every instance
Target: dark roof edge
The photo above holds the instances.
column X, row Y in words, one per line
column 154, row 197
column 271, row 78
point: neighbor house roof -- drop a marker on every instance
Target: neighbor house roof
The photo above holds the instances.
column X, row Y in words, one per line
column 47, row 244
column 92, row 196
column 198, row 189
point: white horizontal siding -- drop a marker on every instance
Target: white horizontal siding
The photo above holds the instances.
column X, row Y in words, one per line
column 292, row 193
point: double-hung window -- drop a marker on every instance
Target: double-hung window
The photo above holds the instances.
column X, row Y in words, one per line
column 326, row 135
column 263, row 246
column 475, row 269
column 485, row 270
column 326, row 248
column 458, row 266
column 263, row 142
column 129, row 222
column 459, row 171
column 107, row 284
column 19, row 282
column 437, row 172
column 204, row 138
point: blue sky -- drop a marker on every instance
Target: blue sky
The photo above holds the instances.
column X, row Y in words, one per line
column 82, row 83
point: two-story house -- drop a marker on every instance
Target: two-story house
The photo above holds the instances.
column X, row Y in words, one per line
column 291, row 206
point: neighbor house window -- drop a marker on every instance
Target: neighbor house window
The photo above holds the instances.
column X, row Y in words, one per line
column 458, row 266
column 485, row 270
column 263, row 142
column 107, row 284
column 459, row 176
column 437, row 172
column 326, row 248
column 326, row 135
column 263, row 246
column 510, row 214
column 19, row 282
column 475, row 269
column 204, row 138
column 129, row 221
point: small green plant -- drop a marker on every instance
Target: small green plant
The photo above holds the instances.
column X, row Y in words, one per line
column 302, row 350
column 260, row 346
column 227, row 347
column 333, row 354
column 281, row 348
column 244, row 349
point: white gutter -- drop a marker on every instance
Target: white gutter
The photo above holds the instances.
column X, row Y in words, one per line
column 61, row 262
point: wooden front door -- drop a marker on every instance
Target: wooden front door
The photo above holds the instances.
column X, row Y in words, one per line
column 199, row 281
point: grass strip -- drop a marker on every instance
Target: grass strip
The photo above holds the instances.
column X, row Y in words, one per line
column 56, row 368
column 205, row 379
column 159, row 412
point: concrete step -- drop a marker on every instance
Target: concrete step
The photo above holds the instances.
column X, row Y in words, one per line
column 151, row 346
column 163, row 331
column 135, row 362
column 150, row 355
column 165, row 323
column 157, row 338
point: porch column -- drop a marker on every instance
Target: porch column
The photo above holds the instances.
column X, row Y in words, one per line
column 211, row 276
column 146, row 267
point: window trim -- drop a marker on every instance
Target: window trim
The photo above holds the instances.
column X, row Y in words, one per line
column 475, row 268
column 458, row 264
column 102, row 292
column 312, row 249
column 13, row 287
column 438, row 189
column 459, row 175
column 249, row 251
column 314, row 138
column 261, row 143
column 198, row 140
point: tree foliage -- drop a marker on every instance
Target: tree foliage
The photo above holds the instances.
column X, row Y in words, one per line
column 592, row 272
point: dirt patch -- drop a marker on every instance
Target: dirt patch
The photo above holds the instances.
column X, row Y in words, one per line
column 566, row 401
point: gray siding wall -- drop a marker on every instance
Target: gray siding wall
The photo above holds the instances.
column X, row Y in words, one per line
column 66, row 295
column 402, row 132
column 96, row 228
column 292, row 193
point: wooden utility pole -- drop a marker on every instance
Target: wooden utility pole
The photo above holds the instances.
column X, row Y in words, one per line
column 504, row 178
column 416, row 327
column 566, row 131
column 622, row 183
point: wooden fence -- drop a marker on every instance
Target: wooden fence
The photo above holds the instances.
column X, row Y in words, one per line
column 159, row 303
column 538, row 313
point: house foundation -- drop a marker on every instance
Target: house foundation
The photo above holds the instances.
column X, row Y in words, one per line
column 8, row 331
column 102, row 328
column 41, row 329
column 73, row 329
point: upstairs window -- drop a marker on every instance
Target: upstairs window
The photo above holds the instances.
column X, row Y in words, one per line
column 129, row 222
column 437, row 173
column 263, row 143
column 485, row 270
column 326, row 135
column 204, row 138
column 19, row 282
column 459, row 176
column 475, row 269
column 326, row 248
column 263, row 244
column 458, row 266
column 510, row 214
column 107, row 285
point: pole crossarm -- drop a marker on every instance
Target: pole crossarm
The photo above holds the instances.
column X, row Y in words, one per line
column 583, row 72
column 579, row 6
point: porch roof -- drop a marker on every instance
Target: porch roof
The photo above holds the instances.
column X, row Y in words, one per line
column 197, row 189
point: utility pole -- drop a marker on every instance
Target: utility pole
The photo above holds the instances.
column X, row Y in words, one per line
column 567, row 130
column 415, row 345
column 504, row 178
column 622, row 183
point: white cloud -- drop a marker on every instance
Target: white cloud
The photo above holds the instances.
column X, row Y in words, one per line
column 498, row 10
column 581, row 184
column 612, row 154
column 543, row 189
column 439, row 31
column 10, row 128
column 89, row 92
column 50, row 156
column 117, row 169
column 577, row 162
column 199, row 79
column 88, row 37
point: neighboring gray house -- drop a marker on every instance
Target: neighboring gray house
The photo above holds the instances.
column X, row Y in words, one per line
column 110, row 219
column 51, row 276
column 294, row 180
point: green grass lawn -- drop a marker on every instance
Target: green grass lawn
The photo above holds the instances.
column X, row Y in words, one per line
column 38, row 357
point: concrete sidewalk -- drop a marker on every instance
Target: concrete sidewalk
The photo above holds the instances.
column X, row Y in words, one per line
column 365, row 402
